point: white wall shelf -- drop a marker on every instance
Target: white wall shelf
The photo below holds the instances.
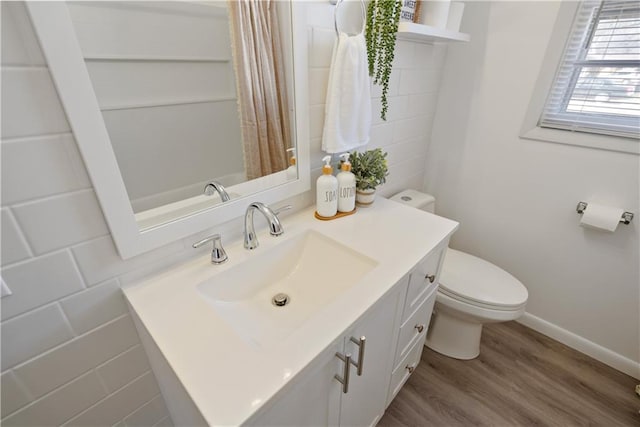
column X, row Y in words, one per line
column 427, row 34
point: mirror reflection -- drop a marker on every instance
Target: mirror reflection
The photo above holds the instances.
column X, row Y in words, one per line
column 196, row 97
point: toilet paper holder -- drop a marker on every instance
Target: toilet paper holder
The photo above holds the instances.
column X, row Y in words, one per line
column 625, row 219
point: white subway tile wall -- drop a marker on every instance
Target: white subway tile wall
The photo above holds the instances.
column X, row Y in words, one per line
column 90, row 309
column 413, row 94
column 147, row 414
column 117, row 372
column 39, row 280
column 77, row 217
column 43, row 165
column 121, row 404
column 65, row 362
column 70, row 352
column 98, row 259
column 56, row 408
column 33, row 333
column 26, row 87
column 165, row 422
column 13, row 395
column 19, row 43
column 14, row 246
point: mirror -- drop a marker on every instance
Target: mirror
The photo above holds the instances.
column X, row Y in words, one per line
column 171, row 85
column 167, row 97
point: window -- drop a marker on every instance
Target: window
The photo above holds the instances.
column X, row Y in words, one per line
column 597, row 86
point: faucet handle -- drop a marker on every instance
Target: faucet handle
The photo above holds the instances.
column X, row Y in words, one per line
column 282, row 209
column 275, row 225
column 218, row 254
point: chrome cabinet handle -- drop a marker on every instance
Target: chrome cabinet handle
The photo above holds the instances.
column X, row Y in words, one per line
column 361, row 344
column 344, row 379
column 218, row 254
column 411, row 368
column 420, row 328
column 430, row 277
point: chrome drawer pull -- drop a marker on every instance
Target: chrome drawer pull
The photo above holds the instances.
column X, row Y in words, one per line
column 420, row 328
column 411, row 368
column 344, row 379
column 360, row 343
column 430, row 277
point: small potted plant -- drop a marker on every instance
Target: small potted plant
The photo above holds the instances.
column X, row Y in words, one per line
column 370, row 169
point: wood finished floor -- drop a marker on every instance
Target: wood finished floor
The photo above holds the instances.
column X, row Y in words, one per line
column 521, row 378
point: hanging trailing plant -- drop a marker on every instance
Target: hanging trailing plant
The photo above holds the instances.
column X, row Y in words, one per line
column 382, row 25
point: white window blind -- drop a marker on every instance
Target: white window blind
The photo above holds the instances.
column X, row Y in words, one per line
column 597, row 86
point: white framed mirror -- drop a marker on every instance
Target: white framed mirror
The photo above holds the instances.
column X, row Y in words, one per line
column 155, row 93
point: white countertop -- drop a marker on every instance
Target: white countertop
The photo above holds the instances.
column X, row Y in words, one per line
column 228, row 378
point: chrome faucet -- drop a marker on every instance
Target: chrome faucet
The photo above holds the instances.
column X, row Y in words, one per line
column 213, row 187
column 275, row 228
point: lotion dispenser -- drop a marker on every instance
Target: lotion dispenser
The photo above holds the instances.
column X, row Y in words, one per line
column 346, row 186
column 292, row 170
column 326, row 191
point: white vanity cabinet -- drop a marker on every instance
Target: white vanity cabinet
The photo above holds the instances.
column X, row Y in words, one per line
column 216, row 370
column 415, row 318
column 394, row 329
column 319, row 399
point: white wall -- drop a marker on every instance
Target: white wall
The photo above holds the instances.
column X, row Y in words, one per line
column 69, row 349
column 516, row 198
column 413, row 94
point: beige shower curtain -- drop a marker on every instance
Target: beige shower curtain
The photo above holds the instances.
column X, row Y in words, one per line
column 261, row 86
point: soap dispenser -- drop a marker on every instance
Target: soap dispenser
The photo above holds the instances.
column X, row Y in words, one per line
column 346, row 186
column 326, row 191
column 292, row 170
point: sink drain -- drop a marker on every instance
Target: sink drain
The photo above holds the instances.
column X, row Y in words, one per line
column 280, row 300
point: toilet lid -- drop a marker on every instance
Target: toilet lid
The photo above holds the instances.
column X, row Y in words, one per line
column 470, row 278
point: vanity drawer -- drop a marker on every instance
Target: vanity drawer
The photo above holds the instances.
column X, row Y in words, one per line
column 415, row 328
column 424, row 279
column 403, row 371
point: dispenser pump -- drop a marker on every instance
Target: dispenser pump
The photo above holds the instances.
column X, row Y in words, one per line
column 346, row 186
column 326, row 191
column 292, row 159
column 346, row 164
column 327, row 169
column 292, row 170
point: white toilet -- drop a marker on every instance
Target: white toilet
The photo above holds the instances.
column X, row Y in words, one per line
column 472, row 292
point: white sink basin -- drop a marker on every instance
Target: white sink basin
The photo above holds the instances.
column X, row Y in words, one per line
column 311, row 269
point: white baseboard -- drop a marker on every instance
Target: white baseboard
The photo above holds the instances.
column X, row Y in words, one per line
column 581, row 344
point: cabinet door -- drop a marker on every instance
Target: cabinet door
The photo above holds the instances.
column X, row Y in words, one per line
column 364, row 404
column 312, row 400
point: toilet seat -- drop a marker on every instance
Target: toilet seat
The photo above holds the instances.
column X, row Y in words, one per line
column 462, row 300
column 474, row 281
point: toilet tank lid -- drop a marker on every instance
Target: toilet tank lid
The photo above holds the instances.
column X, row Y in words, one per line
column 413, row 198
column 474, row 279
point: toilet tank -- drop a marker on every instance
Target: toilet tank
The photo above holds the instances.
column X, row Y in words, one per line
column 416, row 199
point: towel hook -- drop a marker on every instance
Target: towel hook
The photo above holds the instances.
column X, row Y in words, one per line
column 335, row 15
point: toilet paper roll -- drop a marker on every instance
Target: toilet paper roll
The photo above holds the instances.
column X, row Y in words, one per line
column 601, row 217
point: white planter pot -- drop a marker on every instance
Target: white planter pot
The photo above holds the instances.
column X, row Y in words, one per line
column 365, row 197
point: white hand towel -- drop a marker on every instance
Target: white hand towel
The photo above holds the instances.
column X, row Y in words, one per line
column 347, row 121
